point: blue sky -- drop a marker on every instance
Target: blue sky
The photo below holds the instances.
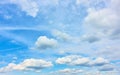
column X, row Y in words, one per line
column 60, row 37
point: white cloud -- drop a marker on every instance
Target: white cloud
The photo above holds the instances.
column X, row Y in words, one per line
column 99, row 61
column 102, row 29
column 66, row 59
column 44, row 43
column 75, row 60
column 81, row 62
column 27, row 65
column 90, row 38
column 63, row 60
column 107, row 68
column 61, row 35
column 104, row 21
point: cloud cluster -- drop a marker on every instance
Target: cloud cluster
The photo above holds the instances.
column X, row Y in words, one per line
column 27, row 65
column 101, row 29
column 103, row 23
column 44, row 42
column 36, row 65
column 82, row 61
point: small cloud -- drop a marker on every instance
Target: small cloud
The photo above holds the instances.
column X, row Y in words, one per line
column 61, row 35
column 44, row 42
column 107, row 68
column 73, row 60
column 99, row 61
column 81, row 62
column 90, row 38
column 66, row 59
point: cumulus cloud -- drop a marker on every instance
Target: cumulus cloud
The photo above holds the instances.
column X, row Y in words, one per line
column 66, row 59
column 27, row 65
column 103, row 23
column 82, row 61
column 44, row 42
column 102, row 29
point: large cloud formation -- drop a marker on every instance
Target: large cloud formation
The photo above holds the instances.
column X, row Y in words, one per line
column 27, row 65
column 82, row 61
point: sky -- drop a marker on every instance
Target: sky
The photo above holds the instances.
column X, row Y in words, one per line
column 59, row 37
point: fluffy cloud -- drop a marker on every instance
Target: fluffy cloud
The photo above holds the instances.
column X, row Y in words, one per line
column 102, row 30
column 44, row 43
column 27, row 65
column 66, row 59
column 82, row 61
column 103, row 23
